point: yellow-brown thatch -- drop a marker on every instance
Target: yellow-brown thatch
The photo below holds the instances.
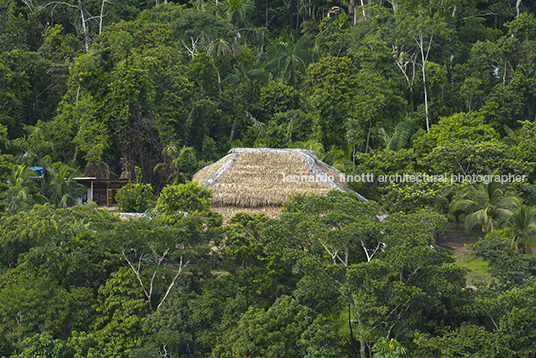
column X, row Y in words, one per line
column 259, row 180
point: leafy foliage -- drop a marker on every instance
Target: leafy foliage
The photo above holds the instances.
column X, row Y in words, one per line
column 382, row 88
column 189, row 197
column 135, row 197
column 486, row 203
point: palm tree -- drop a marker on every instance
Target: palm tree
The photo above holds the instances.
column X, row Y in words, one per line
column 61, row 187
column 335, row 156
column 175, row 161
column 487, row 204
column 33, row 146
column 219, row 47
column 389, row 349
column 22, row 188
column 290, row 59
column 237, row 12
column 241, row 74
column 401, row 135
column 247, row 80
column 513, row 138
column 523, row 225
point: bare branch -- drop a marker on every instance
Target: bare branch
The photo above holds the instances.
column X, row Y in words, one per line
column 137, row 273
column 57, row 3
column 369, row 257
column 151, row 290
column 181, row 267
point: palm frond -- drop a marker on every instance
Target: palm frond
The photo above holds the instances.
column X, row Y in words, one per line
column 258, row 125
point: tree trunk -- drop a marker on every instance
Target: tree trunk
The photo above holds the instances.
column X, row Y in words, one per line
column 101, row 15
column 425, row 97
column 232, row 130
column 504, row 75
column 297, row 16
column 350, row 323
column 424, row 57
column 353, row 154
column 368, row 137
column 235, row 45
column 84, row 28
column 363, row 10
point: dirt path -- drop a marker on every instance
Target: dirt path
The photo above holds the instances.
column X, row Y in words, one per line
column 454, row 242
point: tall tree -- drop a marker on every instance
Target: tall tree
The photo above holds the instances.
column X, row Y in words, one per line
column 61, row 187
column 177, row 163
column 22, row 188
column 486, row 203
column 419, row 31
column 237, row 12
column 523, row 224
column 290, row 59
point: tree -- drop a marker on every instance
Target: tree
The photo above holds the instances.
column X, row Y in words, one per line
column 523, row 27
column 64, row 245
column 379, row 270
column 61, row 189
column 92, row 137
column 389, row 349
column 120, row 308
column 261, row 277
column 135, row 197
column 39, row 345
column 460, row 127
column 22, row 189
column 332, row 39
column 287, row 329
column 372, row 104
column 351, row 104
column 197, row 30
column 470, row 339
column 31, row 304
column 32, row 147
column 330, row 81
column 142, row 89
column 278, row 97
column 175, row 162
column 417, row 31
column 506, row 265
column 289, row 60
column 237, row 12
column 158, row 250
column 486, row 203
column 523, row 224
column 184, row 198
column 31, row 90
column 245, row 81
column 390, row 292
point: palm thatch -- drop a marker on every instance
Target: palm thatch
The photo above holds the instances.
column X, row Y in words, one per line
column 256, row 180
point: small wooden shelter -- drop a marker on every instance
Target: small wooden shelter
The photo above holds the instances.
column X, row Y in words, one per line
column 259, row 180
column 101, row 191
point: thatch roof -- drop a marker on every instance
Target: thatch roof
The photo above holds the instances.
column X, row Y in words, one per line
column 258, row 180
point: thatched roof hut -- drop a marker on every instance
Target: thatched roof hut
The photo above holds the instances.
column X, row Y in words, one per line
column 259, row 180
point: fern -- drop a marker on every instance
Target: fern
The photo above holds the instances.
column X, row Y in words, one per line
column 401, row 136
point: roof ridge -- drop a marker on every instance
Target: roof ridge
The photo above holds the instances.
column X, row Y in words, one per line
column 220, row 171
column 274, row 151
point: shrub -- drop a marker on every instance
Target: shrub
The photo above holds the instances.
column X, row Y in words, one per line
column 135, row 198
column 184, row 198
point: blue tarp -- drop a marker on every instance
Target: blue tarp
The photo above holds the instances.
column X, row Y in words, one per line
column 37, row 170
